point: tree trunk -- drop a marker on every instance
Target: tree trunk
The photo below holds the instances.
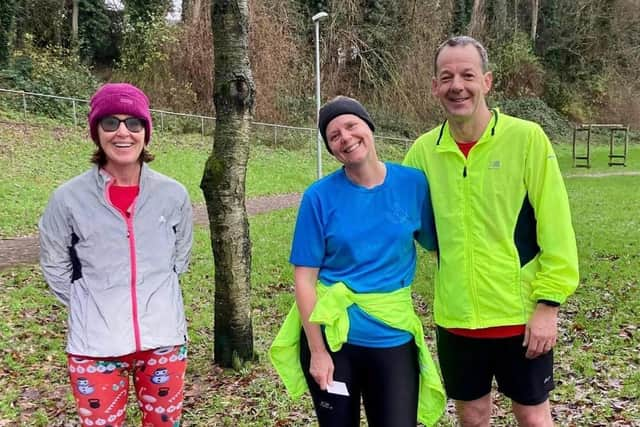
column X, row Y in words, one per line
column 191, row 11
column 7, row 14
column 196, row 6
column 223, row 183
column 534, row 20
column 476, row 25
column 185, row 5
column 74, row 24
column 500, row 19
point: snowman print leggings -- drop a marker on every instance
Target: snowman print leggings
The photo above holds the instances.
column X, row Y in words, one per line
column 101, row 386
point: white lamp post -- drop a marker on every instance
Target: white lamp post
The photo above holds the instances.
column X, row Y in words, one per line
column 316, row 20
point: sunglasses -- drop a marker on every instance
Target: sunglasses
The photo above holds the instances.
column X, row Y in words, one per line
column 111, row 124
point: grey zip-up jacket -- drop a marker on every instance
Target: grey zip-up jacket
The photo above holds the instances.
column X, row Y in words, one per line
column 118, row 276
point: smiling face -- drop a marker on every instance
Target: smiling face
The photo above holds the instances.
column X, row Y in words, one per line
column 351, row 140
column 460, row 83
column 122, row 147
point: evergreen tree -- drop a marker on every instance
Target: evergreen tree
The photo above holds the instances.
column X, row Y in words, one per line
column 99, row 32
column 315, row 6
column 138, row 11
column 43, row 20
column 7, row 12
column 461, row 16
column 144, row 21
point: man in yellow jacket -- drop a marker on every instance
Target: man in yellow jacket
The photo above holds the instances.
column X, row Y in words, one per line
column 507, row 253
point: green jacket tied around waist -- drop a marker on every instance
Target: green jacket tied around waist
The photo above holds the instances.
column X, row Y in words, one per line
column 394, row 309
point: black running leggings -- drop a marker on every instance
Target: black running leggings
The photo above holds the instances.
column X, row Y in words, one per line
column 386, row 378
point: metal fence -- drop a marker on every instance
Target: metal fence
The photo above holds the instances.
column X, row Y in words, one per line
column 160, row 116
column 76, row 103
column 33, row 106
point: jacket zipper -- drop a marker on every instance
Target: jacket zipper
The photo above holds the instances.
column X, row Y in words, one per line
column 468, row 235
column 132, row 259
column 134, row 274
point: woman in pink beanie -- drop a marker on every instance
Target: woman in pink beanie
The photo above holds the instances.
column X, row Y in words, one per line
column 114, row 241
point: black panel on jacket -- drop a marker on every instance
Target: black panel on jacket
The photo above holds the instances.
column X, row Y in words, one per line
column 76, row 268
column 525, row 236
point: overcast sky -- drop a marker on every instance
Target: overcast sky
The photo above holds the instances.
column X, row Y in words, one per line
column 173, row 16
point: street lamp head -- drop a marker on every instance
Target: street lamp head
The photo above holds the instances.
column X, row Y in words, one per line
column 318, row 16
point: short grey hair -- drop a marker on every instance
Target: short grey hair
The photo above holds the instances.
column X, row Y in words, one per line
column 463, row 41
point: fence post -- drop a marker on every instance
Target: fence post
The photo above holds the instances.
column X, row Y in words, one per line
column 275, row 136
column 75, row 114
column 162, row 121
column 24, row 108
column 202, row 128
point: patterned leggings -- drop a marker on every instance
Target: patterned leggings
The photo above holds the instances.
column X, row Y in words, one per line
column 101, row 386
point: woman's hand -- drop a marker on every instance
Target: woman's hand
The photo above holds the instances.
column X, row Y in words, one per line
column 321, row 368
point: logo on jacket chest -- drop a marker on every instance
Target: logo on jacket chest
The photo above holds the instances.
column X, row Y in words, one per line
column 495, row 164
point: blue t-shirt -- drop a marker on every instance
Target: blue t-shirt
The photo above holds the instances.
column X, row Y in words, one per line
column 365, row 239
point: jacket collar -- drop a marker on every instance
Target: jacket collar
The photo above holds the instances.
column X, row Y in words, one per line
column 445, row 141
column 104, row 178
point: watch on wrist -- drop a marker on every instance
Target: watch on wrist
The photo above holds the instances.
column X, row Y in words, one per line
column 549, row 303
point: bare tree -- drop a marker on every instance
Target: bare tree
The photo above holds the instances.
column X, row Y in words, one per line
column 535, row 6
column 223, row 182
column 500, row 19
column 476, row 24
column 74, row 23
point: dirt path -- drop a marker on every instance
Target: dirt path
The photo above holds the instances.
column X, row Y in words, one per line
column 24, row 250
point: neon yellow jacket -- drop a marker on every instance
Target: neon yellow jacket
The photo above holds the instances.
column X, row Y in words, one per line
column 394, row 309
column 505, row 238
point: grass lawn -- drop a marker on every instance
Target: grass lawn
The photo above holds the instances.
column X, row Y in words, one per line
column 597, row 359
column 35, row 160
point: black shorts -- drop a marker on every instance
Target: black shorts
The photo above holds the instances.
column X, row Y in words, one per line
column 469, row 364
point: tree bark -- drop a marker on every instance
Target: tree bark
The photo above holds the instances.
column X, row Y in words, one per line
column 191, row 10
column 476, row 25
column 196, row 9
column 74, row 23
column 500, row 19
column 534, row 20
column 223, row 183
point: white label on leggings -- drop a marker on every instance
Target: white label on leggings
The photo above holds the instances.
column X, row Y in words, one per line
column 338, row 387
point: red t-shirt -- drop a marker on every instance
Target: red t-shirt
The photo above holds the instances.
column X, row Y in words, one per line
column 496, row 331
column 122, row 197
column 466, row 146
